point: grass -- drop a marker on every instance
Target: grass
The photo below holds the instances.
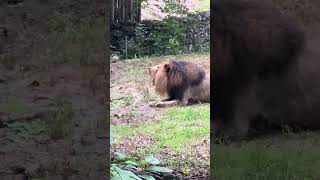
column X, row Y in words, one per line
column 21, row 131
column 293, row 157
column 123, row 131
column 128, row 100
column 60, row 120
column 177, row 128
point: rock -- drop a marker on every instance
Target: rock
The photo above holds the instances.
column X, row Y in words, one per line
column 114, row 58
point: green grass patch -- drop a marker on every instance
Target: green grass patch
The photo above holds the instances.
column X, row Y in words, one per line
column 177, row 128
column 123, row 131
column 181, row 126
column 125, row 101
column 20, row 131
column 293, row 160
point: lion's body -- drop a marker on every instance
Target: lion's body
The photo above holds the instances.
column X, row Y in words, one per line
column 181, row 81
column 262, row 75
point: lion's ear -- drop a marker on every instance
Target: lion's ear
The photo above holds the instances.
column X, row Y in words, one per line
column 167, row 67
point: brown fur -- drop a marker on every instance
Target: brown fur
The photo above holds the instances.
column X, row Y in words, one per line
column 260, row 77
column 181, row 81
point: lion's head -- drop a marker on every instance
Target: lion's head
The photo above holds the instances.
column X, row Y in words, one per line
column 159, row 74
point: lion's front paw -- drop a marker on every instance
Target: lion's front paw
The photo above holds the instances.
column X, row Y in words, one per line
column 156, row 104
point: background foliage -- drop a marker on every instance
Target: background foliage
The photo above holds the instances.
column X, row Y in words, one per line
column 179, row 32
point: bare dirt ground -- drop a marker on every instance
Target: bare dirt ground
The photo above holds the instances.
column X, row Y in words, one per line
column 52, row 110
column 28, row 98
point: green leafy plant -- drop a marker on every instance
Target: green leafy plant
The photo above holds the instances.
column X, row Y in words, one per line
column 125, row 167
column 171, row 36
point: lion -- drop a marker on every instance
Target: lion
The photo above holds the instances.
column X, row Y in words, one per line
column 181, row 81
column 260, row 75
